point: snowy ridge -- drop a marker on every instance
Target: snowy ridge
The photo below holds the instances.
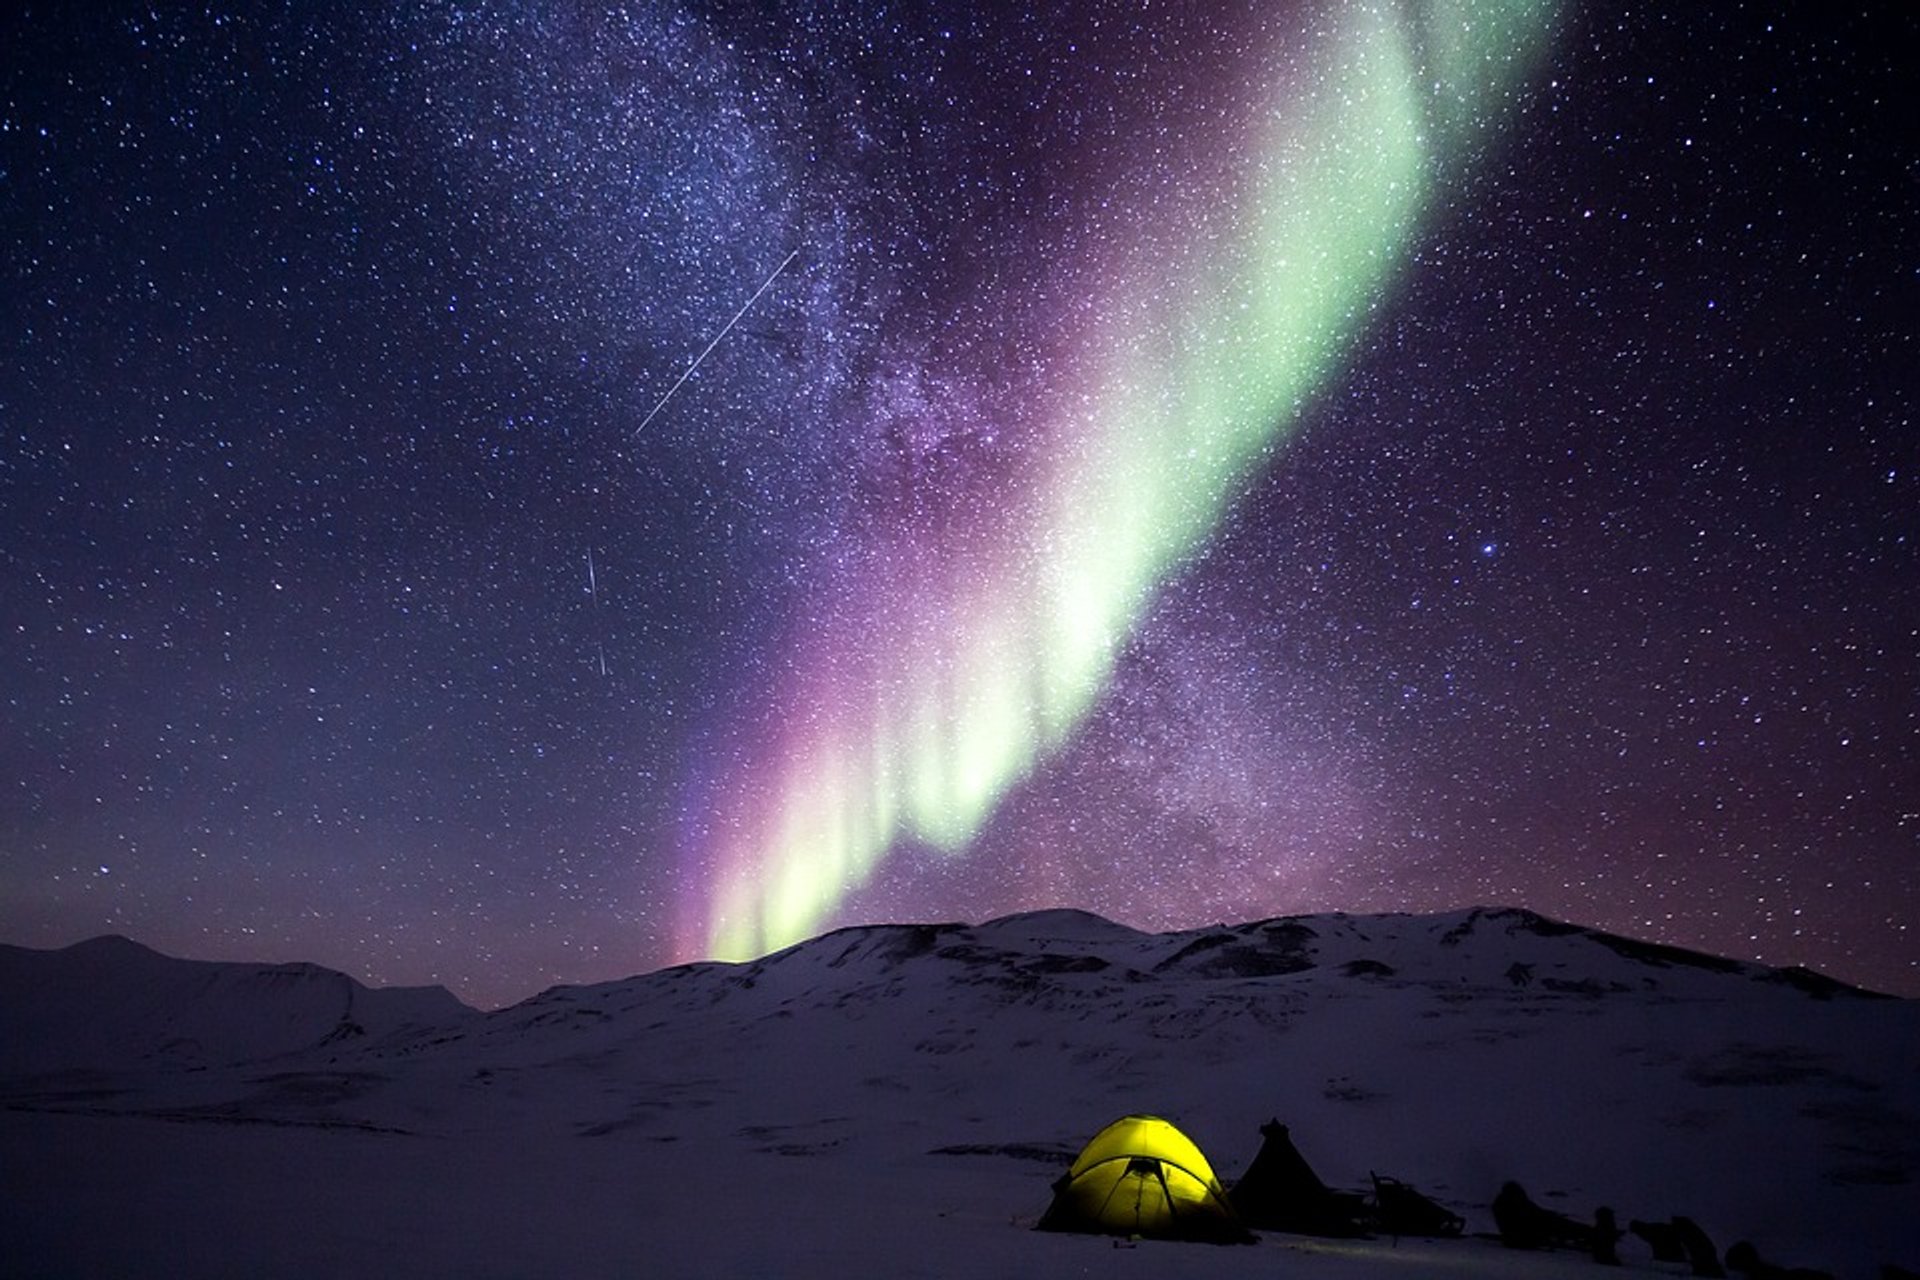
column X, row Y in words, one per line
column 952, row 1070
column 110, row 1003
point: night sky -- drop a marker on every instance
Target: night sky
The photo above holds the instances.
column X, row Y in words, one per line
column 1191, row 461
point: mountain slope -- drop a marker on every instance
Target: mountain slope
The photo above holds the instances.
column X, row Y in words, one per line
column 963, row 1065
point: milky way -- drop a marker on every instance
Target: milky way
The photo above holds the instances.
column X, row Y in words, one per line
column 1188, row 461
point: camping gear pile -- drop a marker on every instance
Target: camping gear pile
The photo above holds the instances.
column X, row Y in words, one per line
column 1141, row 1176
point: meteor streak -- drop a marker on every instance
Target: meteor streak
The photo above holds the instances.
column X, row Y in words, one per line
column 764, row 286
column 593, row 592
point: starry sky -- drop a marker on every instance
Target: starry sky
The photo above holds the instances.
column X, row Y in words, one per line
column 503, row 494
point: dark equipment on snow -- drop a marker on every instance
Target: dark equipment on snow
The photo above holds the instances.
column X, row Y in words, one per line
column 1525, row 1225
column 1746, row 1260
column 1399, row 1210
column 1681, row 1240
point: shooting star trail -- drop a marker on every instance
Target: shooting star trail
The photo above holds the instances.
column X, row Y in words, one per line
column 593, row 591
column 764, row 286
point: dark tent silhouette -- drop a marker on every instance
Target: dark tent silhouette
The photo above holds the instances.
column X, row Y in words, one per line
column 1281, row 1192
column 1141, row 1176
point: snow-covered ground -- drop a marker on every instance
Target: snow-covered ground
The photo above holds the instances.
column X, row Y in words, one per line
column 895, row 1102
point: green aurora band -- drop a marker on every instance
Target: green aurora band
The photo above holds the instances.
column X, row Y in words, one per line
column 947, row 670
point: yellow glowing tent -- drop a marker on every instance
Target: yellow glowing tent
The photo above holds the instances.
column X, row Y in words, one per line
column 1141, row 1176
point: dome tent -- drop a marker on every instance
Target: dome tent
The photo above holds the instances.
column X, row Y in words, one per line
column 1141, row 1176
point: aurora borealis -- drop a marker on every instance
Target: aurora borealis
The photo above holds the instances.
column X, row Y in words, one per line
column 1184, row 461
column 947, row 665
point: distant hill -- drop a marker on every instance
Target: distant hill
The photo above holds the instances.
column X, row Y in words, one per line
column 111, row 1003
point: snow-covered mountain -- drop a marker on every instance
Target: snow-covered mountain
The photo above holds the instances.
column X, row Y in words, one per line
column 896, row 1099
column 110, row 1003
